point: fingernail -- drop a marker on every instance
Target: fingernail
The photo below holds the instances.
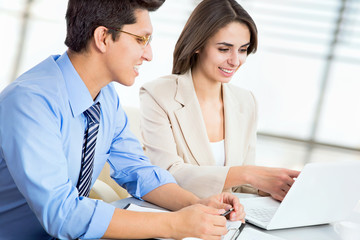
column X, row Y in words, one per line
column 221, row 211
column 228, row 207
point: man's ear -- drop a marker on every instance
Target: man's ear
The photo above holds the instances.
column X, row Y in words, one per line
column 100, row 38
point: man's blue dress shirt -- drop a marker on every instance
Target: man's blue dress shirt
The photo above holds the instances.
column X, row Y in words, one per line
column 41, row 136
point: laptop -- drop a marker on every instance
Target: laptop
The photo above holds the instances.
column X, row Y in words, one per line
column 322, row 193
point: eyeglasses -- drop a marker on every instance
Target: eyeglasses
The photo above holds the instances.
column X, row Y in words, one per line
column 142, row 40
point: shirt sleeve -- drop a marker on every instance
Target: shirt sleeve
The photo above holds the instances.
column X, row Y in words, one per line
column 32, row 146
column 130, row 168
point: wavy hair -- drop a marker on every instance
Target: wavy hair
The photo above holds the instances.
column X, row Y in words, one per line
column 204, row 22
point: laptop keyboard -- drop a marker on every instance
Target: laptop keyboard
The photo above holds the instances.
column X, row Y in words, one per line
column 262, row 214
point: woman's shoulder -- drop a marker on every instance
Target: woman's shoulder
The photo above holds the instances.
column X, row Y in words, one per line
column 162, row 88
column 239, row 93
column 242, row 98
column 167, row 82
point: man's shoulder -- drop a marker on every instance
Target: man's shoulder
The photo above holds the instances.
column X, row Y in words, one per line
column 44, row 75
column 44, row 80
column 47, row 67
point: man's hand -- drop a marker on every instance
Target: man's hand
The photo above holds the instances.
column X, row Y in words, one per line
column 198, row 221
column 226, row 201
column 195, row 220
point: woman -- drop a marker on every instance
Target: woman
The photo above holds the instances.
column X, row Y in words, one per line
column 197, row 125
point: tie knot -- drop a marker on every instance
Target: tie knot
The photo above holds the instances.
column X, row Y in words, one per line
column 93, row 113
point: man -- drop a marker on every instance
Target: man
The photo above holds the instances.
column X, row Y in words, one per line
column 62, row 120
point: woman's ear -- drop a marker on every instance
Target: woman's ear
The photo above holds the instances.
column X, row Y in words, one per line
column 100, row 38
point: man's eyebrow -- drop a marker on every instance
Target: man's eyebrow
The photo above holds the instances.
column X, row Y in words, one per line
column 231, row 45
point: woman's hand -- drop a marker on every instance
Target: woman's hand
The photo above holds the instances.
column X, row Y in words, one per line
column 275, row 181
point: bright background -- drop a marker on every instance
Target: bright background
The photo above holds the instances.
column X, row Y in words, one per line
column 305, row 75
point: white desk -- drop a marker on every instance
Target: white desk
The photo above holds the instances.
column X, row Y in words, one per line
column 321, row 232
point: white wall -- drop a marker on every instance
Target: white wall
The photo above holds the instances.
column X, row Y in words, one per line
column 286, row 74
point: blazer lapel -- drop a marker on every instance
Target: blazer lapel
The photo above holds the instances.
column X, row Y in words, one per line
column 191, row 121
column 234, row 127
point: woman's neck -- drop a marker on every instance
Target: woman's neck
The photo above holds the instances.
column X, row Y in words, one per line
column 206, row 90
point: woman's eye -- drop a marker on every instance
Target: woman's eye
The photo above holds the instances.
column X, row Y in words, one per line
column 223, row 49
column 242, row 50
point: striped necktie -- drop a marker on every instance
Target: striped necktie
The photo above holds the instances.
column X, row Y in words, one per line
column 87, row 163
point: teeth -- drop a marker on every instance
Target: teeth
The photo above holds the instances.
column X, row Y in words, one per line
column 226, row 70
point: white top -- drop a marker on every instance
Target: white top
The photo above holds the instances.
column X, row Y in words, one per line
column 218, row 150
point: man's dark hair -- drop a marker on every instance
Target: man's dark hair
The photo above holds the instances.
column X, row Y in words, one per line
column 84, row 16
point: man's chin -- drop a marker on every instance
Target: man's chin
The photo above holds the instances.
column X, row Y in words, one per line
column 127, row 83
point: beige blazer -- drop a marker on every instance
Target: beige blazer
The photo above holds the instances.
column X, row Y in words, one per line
column 175, row 136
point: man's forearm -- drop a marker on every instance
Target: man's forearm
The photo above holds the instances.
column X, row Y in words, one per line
column 199, row 220
column 171, row 196
column 139, row 225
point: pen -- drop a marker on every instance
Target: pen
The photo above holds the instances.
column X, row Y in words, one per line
column 227, row 212
column 128, row 205
column 241, row 227
column 238, row 231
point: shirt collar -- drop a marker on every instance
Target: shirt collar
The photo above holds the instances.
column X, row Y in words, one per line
column 79, row 96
